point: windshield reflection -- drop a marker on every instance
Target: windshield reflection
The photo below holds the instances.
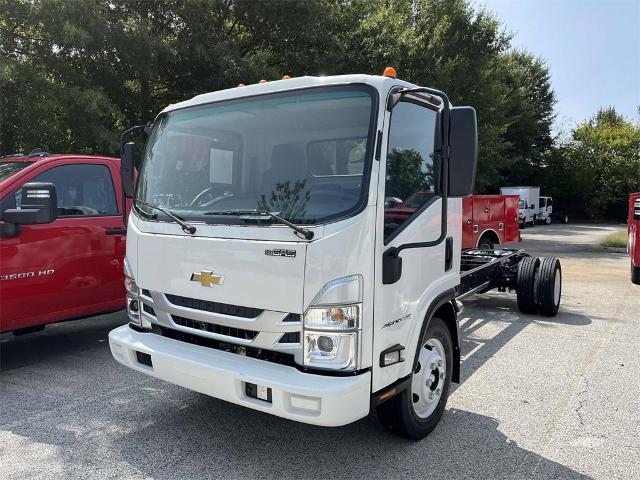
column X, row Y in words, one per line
column 306, row 155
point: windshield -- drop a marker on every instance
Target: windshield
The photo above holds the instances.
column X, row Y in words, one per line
column 303, row 155
column 521, row 204
column 10, row 168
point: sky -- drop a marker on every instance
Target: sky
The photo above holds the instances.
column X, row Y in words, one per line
column 592, row 48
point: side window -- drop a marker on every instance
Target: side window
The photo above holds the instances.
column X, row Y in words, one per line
column 542, row 203
column 411, row 176
column 549, row 202
column 82, row 189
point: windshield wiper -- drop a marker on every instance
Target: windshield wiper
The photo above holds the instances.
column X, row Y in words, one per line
column 305, row 232
column 186, row 228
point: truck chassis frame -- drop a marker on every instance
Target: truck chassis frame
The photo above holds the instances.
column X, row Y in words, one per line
column 537, row 282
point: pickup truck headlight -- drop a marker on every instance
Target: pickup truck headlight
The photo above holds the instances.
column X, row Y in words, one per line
column 331, row 337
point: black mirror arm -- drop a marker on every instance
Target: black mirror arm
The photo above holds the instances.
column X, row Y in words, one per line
column 128, row 131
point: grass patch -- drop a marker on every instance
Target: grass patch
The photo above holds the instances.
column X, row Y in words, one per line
column 615, row 239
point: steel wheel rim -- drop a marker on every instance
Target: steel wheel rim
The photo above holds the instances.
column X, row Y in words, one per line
column 429, row 378
column 557, row 285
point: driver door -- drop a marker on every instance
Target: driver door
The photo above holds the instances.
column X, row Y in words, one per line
column 410, row 168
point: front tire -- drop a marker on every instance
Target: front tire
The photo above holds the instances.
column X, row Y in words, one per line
column 416, row 411
column 547, row 220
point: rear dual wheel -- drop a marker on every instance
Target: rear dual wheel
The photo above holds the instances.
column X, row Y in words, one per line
column 539, row 285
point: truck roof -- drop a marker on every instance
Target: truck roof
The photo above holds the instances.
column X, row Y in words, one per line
column 52, row 156
column 379, row 82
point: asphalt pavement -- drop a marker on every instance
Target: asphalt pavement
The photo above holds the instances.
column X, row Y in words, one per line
column 539, row 398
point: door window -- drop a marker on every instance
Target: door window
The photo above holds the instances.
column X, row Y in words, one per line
column 82, row 190
column 411, row 175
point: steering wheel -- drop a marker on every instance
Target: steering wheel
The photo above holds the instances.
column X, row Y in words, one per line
column 207, row 191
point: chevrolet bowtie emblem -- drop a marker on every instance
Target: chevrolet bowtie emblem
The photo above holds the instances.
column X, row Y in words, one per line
column 207, row 278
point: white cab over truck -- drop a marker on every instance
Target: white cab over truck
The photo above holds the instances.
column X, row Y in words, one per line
column 260, row 268
column 529, row 206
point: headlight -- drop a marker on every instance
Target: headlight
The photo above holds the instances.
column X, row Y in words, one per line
column 331, row 337
column 133, row 298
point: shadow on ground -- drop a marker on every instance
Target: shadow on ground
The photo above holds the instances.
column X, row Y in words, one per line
column 130, row 425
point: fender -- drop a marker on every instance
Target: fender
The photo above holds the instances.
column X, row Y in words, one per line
column 390, row 391
column 484, row 232
column 448, row 296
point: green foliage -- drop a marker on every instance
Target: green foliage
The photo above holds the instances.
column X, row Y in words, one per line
column 616, row 239
column 596, row 170
column 75, row 73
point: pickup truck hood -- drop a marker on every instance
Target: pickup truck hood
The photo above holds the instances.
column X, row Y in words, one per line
column 178, row 265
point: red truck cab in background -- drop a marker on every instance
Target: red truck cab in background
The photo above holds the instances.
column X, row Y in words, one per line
column 73, row 266
column 633, row 245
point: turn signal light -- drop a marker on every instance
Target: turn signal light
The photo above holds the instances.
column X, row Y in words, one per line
column 389, row 72
column 286, row 77
column 263, row 81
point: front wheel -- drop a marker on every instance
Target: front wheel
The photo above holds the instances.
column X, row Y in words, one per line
column 547, row 220
column 415, row 412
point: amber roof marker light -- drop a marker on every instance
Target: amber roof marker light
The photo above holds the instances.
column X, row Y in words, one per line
column 286, row 77
column 389, row 72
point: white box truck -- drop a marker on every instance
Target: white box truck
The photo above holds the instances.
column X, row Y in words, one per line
column 260, row 268
column 529, row 206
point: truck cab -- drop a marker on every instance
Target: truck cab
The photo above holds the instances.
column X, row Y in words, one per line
column 261, row 267
column 63, row 260
column 545, row 210
column 633, row 245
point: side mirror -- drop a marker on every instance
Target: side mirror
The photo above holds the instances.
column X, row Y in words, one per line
column 126, row 169
column 39, row 205
column 463, row 138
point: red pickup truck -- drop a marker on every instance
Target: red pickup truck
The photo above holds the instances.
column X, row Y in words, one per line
column 487, row 220
column 62, row 239
column 633, row 245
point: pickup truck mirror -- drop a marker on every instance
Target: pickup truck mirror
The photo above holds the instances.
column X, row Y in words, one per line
column 463, row 137
column 126, row 169
column 39, row 205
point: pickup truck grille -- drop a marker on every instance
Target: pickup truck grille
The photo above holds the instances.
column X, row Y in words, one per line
column 213, row 328
column 214, row 307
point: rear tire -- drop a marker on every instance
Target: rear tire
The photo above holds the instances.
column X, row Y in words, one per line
column 485, row 244
column 635, row 274
column 526, row 284
column 416, row 411
column 549, row 286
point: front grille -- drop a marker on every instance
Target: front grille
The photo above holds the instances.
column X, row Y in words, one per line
column 213, row 328
column 290, row 337
column 214, row 307
column 292, row 317
column 148, row 309
column 259, row 353
column 146, row 293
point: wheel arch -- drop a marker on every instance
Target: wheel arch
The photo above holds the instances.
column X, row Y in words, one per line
column 444, row 307
column 491, row 234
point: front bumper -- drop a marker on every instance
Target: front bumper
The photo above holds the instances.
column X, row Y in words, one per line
column 303, row 397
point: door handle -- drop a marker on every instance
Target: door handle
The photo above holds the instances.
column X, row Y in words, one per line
column 116, row 231
column 448, row 254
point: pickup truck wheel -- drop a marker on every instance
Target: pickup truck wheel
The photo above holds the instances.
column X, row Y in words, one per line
column 415, row 411
column 547, row 220
column 635, row 274
column 549, row 286
column 526, row 284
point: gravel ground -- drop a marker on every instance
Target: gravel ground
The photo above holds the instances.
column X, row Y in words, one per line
column 540, row 398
